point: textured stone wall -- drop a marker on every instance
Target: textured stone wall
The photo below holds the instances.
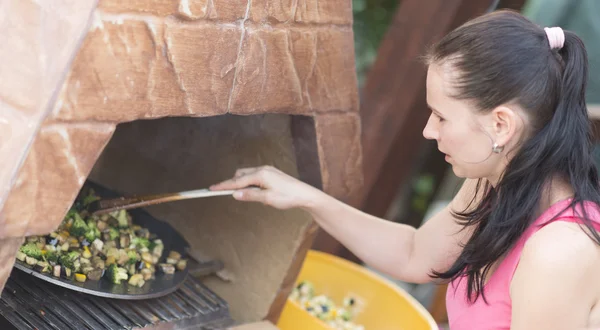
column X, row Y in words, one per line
column 150, row 59
column 39, row 41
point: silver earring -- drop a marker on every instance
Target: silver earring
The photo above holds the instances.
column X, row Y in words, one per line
column 496, row 148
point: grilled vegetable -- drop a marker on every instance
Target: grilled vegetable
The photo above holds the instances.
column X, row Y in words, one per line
column 70, row 260
column 90, row 247
column 113, row 234
column 124, row 240
column 31, row 261
column 79, row 227
column 86, row 252
column 66, row 272
column 42, row 267
column 95, row 274
column 31, row 250
column 181, row 264
column 147, row 273
column 80, row 277
column 140, row 242
column 56, row 271
column 167, row 268
column 97, row 245
column 133, row 257
column 116, row 274
column 136, row 280
column 122, row 219
column 324, row 308
column 21, row 256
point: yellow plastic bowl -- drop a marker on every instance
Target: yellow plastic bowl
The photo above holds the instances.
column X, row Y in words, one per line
column 383, row 305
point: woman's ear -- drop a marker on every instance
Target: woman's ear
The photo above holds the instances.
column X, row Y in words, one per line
column 506, row 124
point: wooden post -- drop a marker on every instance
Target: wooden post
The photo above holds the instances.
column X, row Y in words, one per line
column 393, row 108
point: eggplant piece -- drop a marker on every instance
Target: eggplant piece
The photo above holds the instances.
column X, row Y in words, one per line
column 98, row 263
column 166, row 268
column 110, row 245
column 136, row 280
column 85, row 270
column 112, row 222
column 123, row 257
column 95, row 274
column 56, row 271
column 125, row 241
column 66, row 272
column 106, row 236
column 181, row 264
column 102, row 225
column 21, row 256
column 175, row 255
column 65, row 247
column 147, row 273
column 61, row 239
column 158, row 248
column 31, row 261
column 42, row 267
column 147, row 257
column 143, row 233
column 111, row 252
column 172, row 261
column 85, row 262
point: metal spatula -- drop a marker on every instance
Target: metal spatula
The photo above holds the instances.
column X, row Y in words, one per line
column 125, row 203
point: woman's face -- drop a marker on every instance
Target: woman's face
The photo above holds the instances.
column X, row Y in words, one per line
column 463, row 134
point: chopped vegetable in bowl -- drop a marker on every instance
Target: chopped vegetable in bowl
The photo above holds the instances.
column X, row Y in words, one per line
column 93, row 247
column 323, row 307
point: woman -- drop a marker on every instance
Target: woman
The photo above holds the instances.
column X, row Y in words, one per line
column 518, row 243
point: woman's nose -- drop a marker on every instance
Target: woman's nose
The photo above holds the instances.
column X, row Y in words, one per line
column 431, row 131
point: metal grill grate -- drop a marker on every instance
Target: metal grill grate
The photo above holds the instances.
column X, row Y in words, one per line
column 30, row 303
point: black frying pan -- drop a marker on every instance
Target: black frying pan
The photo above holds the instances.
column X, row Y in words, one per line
column 162, row 285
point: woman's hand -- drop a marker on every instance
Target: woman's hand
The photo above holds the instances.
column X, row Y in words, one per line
column 270, row 186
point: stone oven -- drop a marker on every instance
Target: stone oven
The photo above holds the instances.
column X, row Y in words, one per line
column 152, row 96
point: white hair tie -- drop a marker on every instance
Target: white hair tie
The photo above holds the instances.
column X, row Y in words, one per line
column 556, row 37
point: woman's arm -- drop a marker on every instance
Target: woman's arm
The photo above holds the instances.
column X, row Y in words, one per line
column 399, row 250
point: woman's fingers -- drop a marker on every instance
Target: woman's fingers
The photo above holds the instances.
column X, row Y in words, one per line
column 240, row 181
column 251, row 195
column 245, row 171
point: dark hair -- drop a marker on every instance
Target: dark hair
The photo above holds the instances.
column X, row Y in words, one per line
column 502, row 58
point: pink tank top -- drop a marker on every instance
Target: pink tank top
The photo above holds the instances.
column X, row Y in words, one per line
column 497, row 314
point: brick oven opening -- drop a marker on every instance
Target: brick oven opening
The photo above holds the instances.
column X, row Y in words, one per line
column 256, row 243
